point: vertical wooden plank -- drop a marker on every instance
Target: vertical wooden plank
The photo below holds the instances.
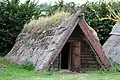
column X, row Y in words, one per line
column 95, row 44
column 70, row 59
column 60, row 61
column 76, row 56
column 88, row 60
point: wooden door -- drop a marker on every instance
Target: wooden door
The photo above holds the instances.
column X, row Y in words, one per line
column 75, row 56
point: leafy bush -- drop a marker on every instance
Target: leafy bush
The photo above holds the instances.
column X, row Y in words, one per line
column 57, row 7
column 13, row 16
column 103, row 27
column 28, row 65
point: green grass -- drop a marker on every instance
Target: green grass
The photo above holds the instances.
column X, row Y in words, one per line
column 14, row 72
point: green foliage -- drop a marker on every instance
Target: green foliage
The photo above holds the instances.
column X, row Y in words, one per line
column 66, row 7
column 57, row 7
column 14, row 72
column 28, row 65
column 103, row 28
column 13, row 16
column 115, row 67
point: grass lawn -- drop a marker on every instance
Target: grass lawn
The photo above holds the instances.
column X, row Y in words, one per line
column 14, row 72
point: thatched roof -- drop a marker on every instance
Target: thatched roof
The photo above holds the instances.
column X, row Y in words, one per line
column 40, row 44
column 112, row 46
column 116, row 29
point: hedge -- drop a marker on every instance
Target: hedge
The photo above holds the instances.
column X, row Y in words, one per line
column 13, row 16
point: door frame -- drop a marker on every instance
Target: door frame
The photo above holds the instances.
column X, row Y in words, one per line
column 70, row 41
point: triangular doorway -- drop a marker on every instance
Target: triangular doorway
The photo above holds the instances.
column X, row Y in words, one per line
column 76, row 55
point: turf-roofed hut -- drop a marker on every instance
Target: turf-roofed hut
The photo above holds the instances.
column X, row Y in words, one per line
column 62, row 41
column 112, row 45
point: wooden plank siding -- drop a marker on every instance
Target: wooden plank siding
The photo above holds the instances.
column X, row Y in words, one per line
column 94, row 43
column 88, row 60
column 81, row 57
column 76, row 52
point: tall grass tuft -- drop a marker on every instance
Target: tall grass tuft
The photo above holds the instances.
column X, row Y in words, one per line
column 58, row 16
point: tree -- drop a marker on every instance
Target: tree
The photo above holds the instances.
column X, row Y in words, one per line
column 13, row 16
column 96, row 10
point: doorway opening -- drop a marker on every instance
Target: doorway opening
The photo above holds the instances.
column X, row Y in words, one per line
column 65, row 53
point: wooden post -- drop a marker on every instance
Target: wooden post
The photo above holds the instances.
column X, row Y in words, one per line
column 69, row 63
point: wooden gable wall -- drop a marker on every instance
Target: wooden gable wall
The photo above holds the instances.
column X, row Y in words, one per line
column 82, row 56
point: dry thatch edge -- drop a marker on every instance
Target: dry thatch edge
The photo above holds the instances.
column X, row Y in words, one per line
column 43, row 21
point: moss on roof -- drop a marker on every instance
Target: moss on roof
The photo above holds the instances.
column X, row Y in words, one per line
column 46, row 22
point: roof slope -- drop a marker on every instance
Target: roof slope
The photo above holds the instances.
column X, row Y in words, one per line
column 41, row 46
column 112, row 46
column 95, row 45
column 116, row 29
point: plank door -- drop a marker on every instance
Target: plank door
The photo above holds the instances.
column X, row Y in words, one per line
column 75, row 56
